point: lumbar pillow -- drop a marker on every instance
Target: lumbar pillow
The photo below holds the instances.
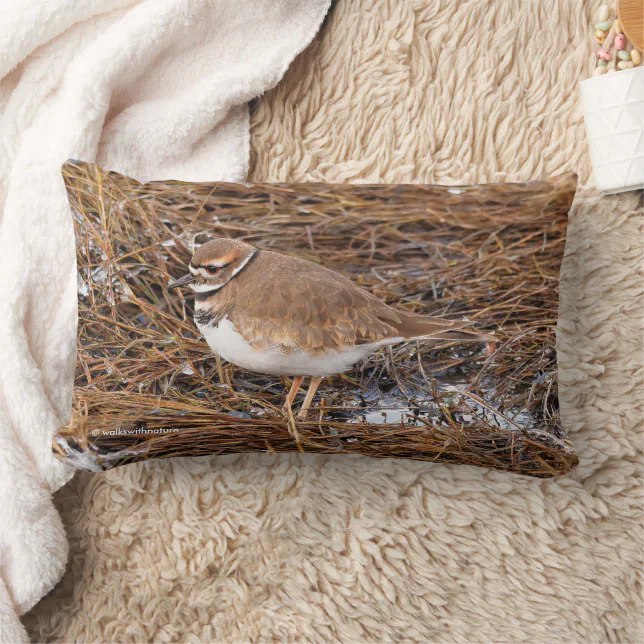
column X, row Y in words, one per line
column 423, row 316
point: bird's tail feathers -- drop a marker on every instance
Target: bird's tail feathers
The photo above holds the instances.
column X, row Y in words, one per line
column 416, row 327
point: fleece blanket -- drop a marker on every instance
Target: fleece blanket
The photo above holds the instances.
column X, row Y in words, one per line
column 305, row 548
column 151, row 88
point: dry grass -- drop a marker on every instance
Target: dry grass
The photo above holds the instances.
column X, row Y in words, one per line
column 491, row 253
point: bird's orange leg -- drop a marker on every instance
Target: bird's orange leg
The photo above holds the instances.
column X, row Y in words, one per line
column 295, row 387
column 313, row 387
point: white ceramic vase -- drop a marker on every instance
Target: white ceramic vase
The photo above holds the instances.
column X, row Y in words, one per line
column 613, row 106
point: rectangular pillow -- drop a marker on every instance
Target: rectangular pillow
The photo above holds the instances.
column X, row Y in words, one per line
column 477, row 384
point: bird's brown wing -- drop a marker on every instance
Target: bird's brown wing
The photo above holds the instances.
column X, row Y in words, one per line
column 295, row 304
column 298, row 304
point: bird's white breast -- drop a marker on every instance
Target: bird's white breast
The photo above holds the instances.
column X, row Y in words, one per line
column 224, row 340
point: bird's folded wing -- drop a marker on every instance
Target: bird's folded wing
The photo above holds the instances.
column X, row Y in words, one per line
column 315, row 310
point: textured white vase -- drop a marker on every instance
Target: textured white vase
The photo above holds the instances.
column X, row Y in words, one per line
column 613, row 107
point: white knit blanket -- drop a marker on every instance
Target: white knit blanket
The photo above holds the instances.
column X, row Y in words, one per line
column 156, row 89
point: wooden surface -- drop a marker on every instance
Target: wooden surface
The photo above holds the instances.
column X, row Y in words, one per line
column 631, row 15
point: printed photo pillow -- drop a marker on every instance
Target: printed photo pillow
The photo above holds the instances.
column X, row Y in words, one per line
column 404, row 321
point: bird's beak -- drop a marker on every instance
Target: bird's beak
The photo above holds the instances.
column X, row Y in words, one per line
column 182, row 281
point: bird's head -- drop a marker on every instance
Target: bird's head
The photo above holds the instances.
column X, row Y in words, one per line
column 214, row 264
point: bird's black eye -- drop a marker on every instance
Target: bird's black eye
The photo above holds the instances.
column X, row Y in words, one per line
column 213, row 270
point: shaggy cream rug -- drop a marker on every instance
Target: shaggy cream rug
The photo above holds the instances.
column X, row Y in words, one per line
column 307, row 548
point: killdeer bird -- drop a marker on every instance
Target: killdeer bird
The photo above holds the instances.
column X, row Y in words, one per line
column 282, row 315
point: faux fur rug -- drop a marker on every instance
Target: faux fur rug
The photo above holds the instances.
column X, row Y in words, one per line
column 304, row 548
